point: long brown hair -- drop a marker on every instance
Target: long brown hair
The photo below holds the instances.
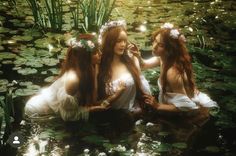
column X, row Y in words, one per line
column 79, row 60
column 109, row 40
column 176, row 54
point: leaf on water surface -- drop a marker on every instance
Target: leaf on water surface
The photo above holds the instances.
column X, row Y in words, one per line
column 212, row 149
column 27, row 71
column 95, row 139
column 49, row 79
column 25, row 92
column 7, row 55
column 164, row 147
column 180, row 145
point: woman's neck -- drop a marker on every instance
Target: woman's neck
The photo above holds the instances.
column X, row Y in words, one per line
column 116, row 59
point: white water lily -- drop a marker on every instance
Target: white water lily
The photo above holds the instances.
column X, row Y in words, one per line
column 91, row 44
column 167, row 26
column 174, row 33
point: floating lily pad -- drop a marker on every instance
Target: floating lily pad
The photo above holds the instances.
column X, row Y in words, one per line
column 49, row 79
column 25, row 92
column 212, row 149
column 34, row 64
column 164, row 148
column 50, row 61
column 3, row 82
column 20, row 61
column 27, row 83
column 43, row 53
column 95, row 139
column 4, row 30
column 32, row 32
column 1, row 47
column 27, row 71
column 3, row 89
column 22, row 38
column 6, row 55
column 7, row 62
column 54, row 71
column 180, row 145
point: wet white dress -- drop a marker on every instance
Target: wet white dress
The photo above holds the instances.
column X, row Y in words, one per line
column 127, row 98
column 183, row 102
column 55, row 100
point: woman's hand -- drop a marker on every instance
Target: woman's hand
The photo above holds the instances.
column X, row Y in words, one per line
column 133, row 49
column 149, row 99
column 121, row 87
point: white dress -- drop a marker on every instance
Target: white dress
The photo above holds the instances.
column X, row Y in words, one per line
column 55, row 100
column 183, row 102
column 127, row 97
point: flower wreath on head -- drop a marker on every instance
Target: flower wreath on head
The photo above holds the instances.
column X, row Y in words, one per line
column 109, row 25
column 89, row 45
column 174, row 33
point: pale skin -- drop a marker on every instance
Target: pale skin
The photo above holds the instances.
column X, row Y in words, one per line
column 117, row 66
column 72, row 83
column 175, row 82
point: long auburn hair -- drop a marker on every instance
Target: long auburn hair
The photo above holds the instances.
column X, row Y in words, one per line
column 79, row 60
column 176, row 54
column 109, row 40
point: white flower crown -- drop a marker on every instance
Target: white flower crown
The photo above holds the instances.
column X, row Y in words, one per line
column 174, row 33
column 109, row 25
column 87, row 44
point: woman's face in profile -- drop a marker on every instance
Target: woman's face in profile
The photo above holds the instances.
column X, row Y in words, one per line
column 158, row 46
column 96, row 57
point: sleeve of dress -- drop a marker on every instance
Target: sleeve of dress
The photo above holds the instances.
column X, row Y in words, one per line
column 204, row 100
column 181, row 101
column 39, row 104
column 69, row 108
column 145, row 85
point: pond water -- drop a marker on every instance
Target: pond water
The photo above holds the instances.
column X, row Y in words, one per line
column 32, row 57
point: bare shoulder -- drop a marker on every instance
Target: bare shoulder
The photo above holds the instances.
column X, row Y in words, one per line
column 71, row 82
column 175, row 80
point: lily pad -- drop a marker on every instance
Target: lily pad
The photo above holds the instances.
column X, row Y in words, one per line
column 50, row 61
column 49, row 79
column 164, row 147
column 1, row 47
column 7, row 62
column 95, row 139
column 27, row 83
column 34, row 64
column 180, row 145
column 25, row 92
column 22, row 38
column 3, row 82
column 54, row 71
column 4, row 30
column 212, row 149
column 7, row 55
column 3, row 89
column 27, row 71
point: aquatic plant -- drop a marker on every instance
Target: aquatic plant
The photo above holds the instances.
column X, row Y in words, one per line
column 47, row 13
column 6, row 113
column 95, row 13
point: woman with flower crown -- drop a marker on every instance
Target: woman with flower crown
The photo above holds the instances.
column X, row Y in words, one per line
column 117, row 66
column 74, row 92
column 178, row 91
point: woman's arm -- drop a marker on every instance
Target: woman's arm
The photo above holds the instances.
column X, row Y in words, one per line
column 71, row 83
